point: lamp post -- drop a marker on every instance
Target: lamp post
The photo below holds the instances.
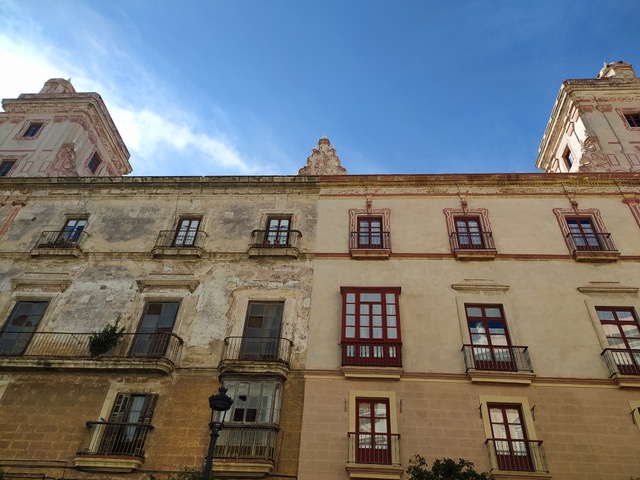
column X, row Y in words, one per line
column 219, row 402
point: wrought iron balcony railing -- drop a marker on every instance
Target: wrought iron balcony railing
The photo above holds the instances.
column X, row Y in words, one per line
column 262, row 349
column 517, row 455
column 63, row 239
column 142, row 346
column 370, row 241
column 275, row 238
column 622, row 361
column 472, row 241
column 374, row 448
column 594, row 242
column 497, row 358
column 180, row 239
column 114, row 439
column 247, row 442
column 371, row 353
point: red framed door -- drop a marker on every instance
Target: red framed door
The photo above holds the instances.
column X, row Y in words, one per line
column 373, row 442
column 489, row 338
column 623, row 335
column 370, row 232
column 583, row 234
column 469, row 232
column 510, row 438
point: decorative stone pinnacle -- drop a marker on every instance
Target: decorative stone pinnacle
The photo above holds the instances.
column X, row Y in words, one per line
column 323, row 160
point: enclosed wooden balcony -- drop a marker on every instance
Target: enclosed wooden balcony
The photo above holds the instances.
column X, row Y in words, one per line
column 145, row 352
column 256, row 355
column 473, row 246
column 275, row 243
column 59, row 243
column 172, row 243
column 371, row 353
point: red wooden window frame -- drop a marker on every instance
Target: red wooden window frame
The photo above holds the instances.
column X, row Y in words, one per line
column 472, row 233
column 509, row 433
column 622, row 335
column 370, row 232
column 371, row 333
column 489, row 354
column 373, row 429
column 584, row 233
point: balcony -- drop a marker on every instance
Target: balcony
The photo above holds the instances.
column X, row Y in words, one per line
column 509, row 456
column 143, row 352
column 245, row 451
column 115, row 447
column 473, row 246
column 374, row 455
column 592, row 247
column 501, row 364
column 256, row 355
column 373, row 246
column 59, row 243
column 371, row 359
column 275, row 243
column 623, row 365
column 179, row 244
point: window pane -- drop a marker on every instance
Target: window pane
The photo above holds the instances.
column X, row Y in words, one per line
column 474, row 312
column 351, row 297
column 370, row 297
column 493, row 312
column 391, row 297
column 605, row 315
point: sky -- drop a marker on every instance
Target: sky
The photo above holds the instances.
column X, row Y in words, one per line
column 247, row 87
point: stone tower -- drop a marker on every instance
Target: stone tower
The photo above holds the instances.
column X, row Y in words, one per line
column 595, row 124
column 59, row 132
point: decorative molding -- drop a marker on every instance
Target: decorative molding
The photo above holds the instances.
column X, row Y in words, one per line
column 172, row 283
column 634, row 206
column 479, row 285
column 25, row 125
column 323, row 160
column 600, row 228
column 451, row 214
column 64, row 163
column 385, row 213
column 54, row 283
column 607, row 288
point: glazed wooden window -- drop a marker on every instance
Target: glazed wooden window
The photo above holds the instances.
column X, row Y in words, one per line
column 261, row 338
column 620, row 325
column 489, row 338
column 94, row 163
column 72, row 230
column 633, row 119
column 32, row 130
column 128, row 425
column 583, row 233
column 5, row 167
column 278, row 231
column 255, row 401
column 373, row 441
column 186, row 232
column 156, row 325
column 512, row 447
column 568, row 159
column 18, row 330
column 469, row 232
column 369, row 232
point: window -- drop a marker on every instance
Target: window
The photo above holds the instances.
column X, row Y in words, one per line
column 129, row 423
column 583, row 234
column 72, row 230
column 19, row 328
column 620, row 325
column 32, row 130
column 371, row 327
column 278, row 231
column 490, row 343
column 370, row 232
column 252, row 425
column 633, row 119
column 469, row 232
column 186, row 232
column 567, row 158
column 373, row 442
column 5, row 167
column 261, row 339
column 154, row 330
column 509, row 438
column 94, row 162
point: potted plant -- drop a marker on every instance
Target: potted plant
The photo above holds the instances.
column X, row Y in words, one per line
column 104, row 340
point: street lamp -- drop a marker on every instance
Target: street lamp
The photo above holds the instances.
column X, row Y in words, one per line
column 219, row 402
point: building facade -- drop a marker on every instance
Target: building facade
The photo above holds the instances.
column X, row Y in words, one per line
column 356, row 320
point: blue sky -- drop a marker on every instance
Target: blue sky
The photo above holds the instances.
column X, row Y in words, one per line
column 243, row 87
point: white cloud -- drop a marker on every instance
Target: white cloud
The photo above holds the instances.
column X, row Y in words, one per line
column 161, row 138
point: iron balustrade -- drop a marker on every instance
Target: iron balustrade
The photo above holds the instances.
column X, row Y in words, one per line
column 76, row 345
column 597, row 242
column 247, row 442
column 370, row 240
column 517, row 455
column 265, row 349
column 374, row 448
column 180, row 239
column 623, row 361
column 472, row 241
column 275, row 238
column 114, row 439
column 371, row 353
column 61, row 239
column 497, row 358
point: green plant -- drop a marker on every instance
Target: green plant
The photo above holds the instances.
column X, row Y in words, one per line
column 184, row 474
column 104, row 340
column 442, row 469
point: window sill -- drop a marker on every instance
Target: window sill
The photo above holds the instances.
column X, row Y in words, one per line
column 225, row 468
column 380, row 373
column 370, row 254
column 107, row 463
column 494, row 376
column 289, row 252
column 56, row 252
column 626, row 381
column 367, row 471
column 512, row 475
column 176, row 252
column 253, row 367
column 475, row 254
column 597, row 256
